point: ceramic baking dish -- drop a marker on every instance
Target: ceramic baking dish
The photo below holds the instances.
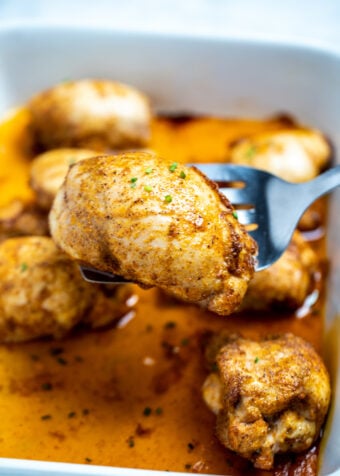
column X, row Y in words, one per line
column 220, row 76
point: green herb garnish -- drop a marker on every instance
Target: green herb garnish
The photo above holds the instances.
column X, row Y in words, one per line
column 235, row 215
column 45, row 417
column 168, row 198
column 148, row 188
column 173, row 167
column 250, row 152
column 147, row 411
column 133, row 181
column 149, row 170
column 61, row 361
column 131, row 442
column 256, row 360
column 182, row 175
column 169, row 325
column 23, row 267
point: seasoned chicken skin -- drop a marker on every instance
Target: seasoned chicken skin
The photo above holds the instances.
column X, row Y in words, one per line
column 49, row 169
column 285, row 284
column 155, row 223
column 43, row 294
column 270, row 396
column 94, row 114
column 295, row 155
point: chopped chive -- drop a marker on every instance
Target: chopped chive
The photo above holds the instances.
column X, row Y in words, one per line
column 56, row 350
column 173, row 167
column 159, row 411
column 147, row 411
column 131, row 442
column 47, row 386
column 61, row 361
column 256, row 360
column 235, row 215
column 168, row 198
column 191, row 446
column 133, row 181
column 149, row 170
column 250, row 152
column 71, row 415
column 169, row 325
column 185, row 341
column 147, row 188
column 45, row 417
column 23, row 267
column 182, row 174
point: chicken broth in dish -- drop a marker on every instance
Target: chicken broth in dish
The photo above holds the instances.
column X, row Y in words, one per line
column 130, row 395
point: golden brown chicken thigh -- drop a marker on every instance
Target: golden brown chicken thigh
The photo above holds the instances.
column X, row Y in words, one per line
column 43, row 294
column 49, row 169
column 295, row 155
column 286, row 283
column 270, row 396
column 95, row 114
column 155, row 223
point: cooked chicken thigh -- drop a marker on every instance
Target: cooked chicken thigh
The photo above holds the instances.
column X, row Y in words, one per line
column 155, row 223
column 285, row 284
column 49, row 169
column 270, row 397
column 43, row 294
column 95, row 114
column 296, row 155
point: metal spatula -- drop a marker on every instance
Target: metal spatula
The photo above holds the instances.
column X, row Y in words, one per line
column 269, row 206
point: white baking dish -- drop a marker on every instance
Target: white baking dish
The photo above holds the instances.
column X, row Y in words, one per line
column 229, row 77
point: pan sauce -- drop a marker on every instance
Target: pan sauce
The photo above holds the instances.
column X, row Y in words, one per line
column 131, row 396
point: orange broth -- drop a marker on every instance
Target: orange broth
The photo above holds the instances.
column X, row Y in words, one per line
column 131, row 396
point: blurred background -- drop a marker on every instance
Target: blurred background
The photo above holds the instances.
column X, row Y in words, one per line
column 312, row 21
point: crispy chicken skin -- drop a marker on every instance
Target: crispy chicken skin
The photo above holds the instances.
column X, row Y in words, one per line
column 155, row 223
column 49, row 169
column 94, row 114
column 43, row 294
column 286, row 284
column 295, row 155
column 270, row 396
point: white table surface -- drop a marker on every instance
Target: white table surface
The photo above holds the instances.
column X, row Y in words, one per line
column 302, row 21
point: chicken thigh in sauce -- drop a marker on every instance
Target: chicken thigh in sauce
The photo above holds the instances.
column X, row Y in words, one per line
column 43, row 294
column 286, row 283
column 270, row 396
column 95, row 114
